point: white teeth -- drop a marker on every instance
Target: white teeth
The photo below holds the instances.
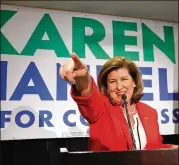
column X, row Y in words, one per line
column 121, row 93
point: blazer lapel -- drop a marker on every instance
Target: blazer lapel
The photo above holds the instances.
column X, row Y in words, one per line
column 119, row 119
column 126, row 130
column 143, row 117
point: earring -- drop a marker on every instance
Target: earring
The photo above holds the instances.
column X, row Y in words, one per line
column 134, row 85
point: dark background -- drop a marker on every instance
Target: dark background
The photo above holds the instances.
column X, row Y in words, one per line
column 47, row 151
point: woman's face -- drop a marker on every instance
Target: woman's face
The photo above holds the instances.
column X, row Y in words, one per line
column 120, row 82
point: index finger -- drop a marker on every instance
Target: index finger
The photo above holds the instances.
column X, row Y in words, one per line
column 76, row 60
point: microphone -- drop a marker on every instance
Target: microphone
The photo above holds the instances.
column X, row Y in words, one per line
column 124, row 98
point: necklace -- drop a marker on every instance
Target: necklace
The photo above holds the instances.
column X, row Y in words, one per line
column 134, row 110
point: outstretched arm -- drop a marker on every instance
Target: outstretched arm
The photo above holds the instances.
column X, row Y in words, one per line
column 84, row 90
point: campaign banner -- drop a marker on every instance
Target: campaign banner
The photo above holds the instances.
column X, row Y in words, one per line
column 36, row 102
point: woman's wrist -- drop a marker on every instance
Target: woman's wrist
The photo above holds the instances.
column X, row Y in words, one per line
column 175, row 146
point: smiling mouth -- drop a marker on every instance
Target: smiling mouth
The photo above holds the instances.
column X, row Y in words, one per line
column 120, row 93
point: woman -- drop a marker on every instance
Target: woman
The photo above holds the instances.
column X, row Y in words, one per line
column 104, row 110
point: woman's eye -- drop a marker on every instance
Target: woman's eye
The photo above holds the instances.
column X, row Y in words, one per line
column 124, row 79
column 111, row 81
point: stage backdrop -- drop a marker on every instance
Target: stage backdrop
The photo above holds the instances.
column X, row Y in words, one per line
column 36, row 102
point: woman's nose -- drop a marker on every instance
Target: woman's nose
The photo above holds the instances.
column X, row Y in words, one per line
column 119, row 86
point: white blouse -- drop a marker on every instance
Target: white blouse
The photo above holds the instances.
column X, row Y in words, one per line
column 139, row 133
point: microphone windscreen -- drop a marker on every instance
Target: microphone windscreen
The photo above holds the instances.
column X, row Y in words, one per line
column 124, row 97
